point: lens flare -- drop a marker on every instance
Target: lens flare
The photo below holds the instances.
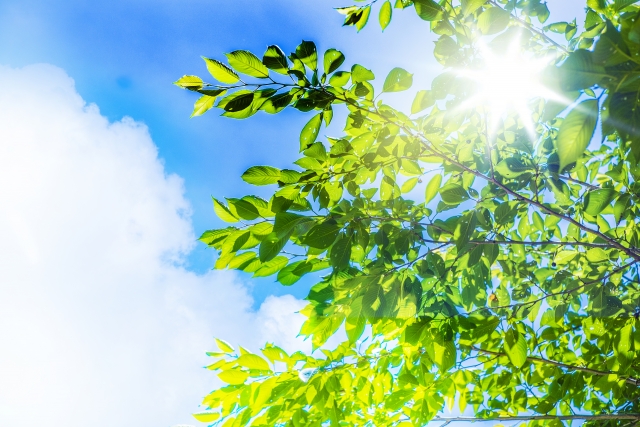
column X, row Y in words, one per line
column 506, row 83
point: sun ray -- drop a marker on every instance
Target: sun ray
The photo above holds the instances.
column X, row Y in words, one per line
column 505, row 83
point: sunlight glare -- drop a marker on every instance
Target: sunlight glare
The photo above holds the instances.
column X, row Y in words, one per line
column 507, row 83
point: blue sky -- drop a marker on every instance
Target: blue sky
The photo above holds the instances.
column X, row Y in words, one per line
column 94, row 303
column 124, row 56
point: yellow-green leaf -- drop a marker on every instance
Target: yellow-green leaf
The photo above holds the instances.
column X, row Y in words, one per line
column 310, row 132
column 247, row 63
column 576, row 132
column 493, row 20
column 432, row 188
column 206, row 417
column 515, row 346
column 333, row 59
column 223, row 212
column 203, row 104
column 408, row 185
column 233, row 376
column 596, row 255
column 385, row 14
column 189, row 82
column 253, row 361
column 397, row 80
column 221, row 72
column 224, row 346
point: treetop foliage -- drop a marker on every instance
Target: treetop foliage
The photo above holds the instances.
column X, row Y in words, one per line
column 479, row 260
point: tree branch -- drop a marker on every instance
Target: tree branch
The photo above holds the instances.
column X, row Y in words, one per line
column 531, row 28
column 429, row 145
column 524, row 243
column 541, row 360
column 541, row 418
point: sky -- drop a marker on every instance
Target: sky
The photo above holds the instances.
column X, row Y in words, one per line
column 107, row 302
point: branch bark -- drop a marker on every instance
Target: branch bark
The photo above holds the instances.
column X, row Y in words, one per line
column 542, row 418
column 541, row 360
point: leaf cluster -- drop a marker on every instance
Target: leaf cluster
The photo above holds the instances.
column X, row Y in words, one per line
column 493, row 270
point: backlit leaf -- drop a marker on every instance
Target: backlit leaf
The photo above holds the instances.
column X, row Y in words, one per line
column 220, row 71
column 493, row 20
column 247, row 63
column 576, row 132
column 261, row 175
column 397, row 80
column 385, row 14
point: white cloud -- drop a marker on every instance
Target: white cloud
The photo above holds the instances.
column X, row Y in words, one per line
column 99, row 323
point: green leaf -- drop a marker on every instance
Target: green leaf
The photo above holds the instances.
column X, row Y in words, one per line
column 453, row 194
column 579, row 71
column 597, row 5
column 596, row 255
column 243, row 209
column 597, row 200
column 408, row 185
column 493, row 20
column 293, row 272
column 470, row 6
column 621, row 4
column 385, row 15
column 310, row 132
column 576, row 132
column 247, row 63
column 432, row 188
column 389, row 190
column 261, row 175
column 423, row 100
column 233, row 376
column 361, row 74
column 286, row 221
column 397, row 80
column 242, row 260
column 621, row 206
column 224, row 346
column 223, row 212
column 278, row 102
column 428, row 10
column 341, row 252
column 333, row 59
column 206, row 417
column 270, row 247
column 340, row 78
column 253, row 361
column 221, row 72
column 271, row 267
column 444, row 354
column 189, row 82
column 275, row 59
column 238, row 101
column 364, row 17
column 355, row 322
column 512, row 167
column 515, row 346
column 307, row 53
column 203, row 104
column 323, row 235
column 465, row 230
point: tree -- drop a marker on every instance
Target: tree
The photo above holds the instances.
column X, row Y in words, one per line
column 506, row 285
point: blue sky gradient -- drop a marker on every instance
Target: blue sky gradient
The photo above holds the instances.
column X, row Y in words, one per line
column 124, row 56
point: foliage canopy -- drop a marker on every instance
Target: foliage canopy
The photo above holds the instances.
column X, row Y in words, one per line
column 484, row 260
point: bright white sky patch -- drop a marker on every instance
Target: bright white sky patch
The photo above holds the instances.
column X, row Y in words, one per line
column 506, row 83
column 99, row 323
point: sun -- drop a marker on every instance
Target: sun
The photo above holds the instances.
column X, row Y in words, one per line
column 506, row 83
